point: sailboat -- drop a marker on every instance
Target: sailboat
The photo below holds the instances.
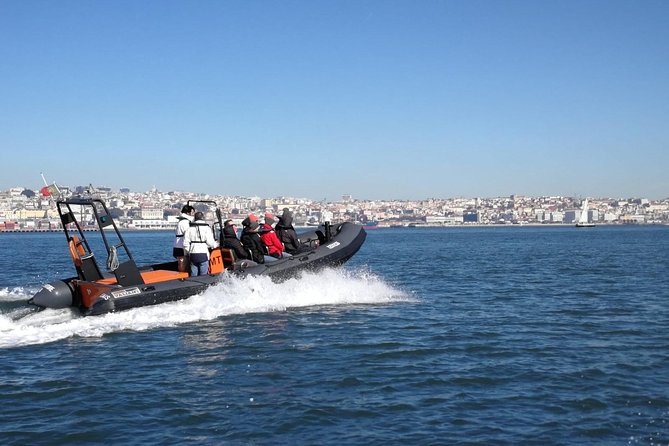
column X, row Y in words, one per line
column 583, row 218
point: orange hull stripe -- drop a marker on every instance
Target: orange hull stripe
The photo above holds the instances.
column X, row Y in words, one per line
column 160, row 275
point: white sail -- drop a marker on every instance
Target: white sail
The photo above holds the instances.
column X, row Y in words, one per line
column 583, row 218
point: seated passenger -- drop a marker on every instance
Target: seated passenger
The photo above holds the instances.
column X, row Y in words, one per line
column 268, row 236
column 231, row 241
column 252, row 241
column 286, row 233
column 198, row 240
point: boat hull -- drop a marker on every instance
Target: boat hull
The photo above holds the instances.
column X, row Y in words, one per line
column 346, row 241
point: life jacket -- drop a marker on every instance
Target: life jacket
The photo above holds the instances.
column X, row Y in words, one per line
column 199, row 234
column 180, row 218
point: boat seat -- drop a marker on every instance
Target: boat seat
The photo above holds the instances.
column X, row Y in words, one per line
column 89, row 269
column 160, row 275
column 228, row 256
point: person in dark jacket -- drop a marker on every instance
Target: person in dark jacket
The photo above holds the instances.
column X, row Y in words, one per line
column 251, row 239
column 286, row 232
column 231, row 241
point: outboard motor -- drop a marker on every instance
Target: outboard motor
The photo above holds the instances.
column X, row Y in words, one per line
column 55, row 295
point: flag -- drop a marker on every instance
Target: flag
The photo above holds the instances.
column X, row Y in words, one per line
column 48, row 191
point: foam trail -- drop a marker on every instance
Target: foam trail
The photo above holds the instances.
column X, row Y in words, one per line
column 14, row 302
column 232, row 296
column 10, row 294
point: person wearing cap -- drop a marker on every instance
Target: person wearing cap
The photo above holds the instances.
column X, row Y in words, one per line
column 183, row 223
column 268, row 236
column 252, row 241
column 198, row 240
column 231, row 241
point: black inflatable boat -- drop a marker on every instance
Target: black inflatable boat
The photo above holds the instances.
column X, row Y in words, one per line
column 125, row 285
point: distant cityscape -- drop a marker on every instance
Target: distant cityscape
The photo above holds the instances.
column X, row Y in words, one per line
column 23, row 209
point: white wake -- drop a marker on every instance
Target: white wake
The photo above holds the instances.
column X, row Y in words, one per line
column 230, row 297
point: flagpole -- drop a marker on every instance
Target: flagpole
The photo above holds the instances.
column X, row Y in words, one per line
column 49, row 188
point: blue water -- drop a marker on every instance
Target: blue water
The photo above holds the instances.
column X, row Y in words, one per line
column 532, row 335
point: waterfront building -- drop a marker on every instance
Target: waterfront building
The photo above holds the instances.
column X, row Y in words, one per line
column 151, row 214
column 29, row 214
column 572, row 215
column 632, row 219
column 443, row 220
column 156, row 224
column 470, row 217
column 539, row 215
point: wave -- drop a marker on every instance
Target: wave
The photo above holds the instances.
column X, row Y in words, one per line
column 232, row 296
column 9, row 294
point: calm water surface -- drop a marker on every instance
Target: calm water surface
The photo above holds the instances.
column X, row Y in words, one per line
column 427, row 336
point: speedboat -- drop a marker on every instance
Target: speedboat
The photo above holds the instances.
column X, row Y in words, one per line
column 124, row 284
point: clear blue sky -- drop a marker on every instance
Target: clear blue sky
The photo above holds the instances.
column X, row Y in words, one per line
column 378, row 99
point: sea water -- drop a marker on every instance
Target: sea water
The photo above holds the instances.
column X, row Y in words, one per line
column 510, row 335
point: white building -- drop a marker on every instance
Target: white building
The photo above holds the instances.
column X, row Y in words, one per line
column 152, row 224
column 443, row 220
column 151, row 214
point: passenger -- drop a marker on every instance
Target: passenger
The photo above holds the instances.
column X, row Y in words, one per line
column 252, row 241
column 198, row 240
column 268, row 236
column 183, row 223
column 286, row 233
column 231, row 241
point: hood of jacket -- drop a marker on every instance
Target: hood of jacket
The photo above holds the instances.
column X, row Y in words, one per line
column 286, row 218
column 250, row 225
column 229, row 232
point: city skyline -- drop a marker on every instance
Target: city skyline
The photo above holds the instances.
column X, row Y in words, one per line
column 94, row 190
column 154, row 209
column 380, row 100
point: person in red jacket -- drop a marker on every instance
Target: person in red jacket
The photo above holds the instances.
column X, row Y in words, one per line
column 270, row 239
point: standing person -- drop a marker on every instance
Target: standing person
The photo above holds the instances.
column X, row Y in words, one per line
column 268, row 236
column 286, row 233
column 183, row 223
column 252, row 241
column 198, row 240
column 231, row 241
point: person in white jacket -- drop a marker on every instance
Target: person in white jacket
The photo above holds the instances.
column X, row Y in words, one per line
column 183, row 223
column 198, row 240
